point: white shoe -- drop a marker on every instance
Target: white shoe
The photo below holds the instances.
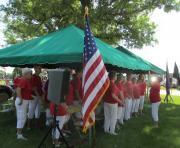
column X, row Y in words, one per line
column 115, row 134
column 20, row 137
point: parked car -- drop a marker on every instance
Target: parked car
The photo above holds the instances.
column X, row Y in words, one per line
column 6, row 93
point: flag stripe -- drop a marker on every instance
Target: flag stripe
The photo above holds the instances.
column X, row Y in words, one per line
column 93, row 76
column 94, row 92
column 93, row 67
column 96, row 80
column 99, row 95
column 89, row 64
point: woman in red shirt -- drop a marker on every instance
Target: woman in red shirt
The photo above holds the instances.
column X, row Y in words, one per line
column 111, row 105
column 129, row 96
column 155, row 101
column 23, row 91
column 142, row 85
column 136, row 94
column 119, row 83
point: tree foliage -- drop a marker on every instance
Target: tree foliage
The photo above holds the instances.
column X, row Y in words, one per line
column 114, row 21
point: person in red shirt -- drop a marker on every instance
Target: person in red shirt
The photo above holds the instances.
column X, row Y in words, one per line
column 142, row 84
column 111, row 101
column 155, row 100
column 24, row 96
column 119, row 83
column 35, row 105
column 70, row 96
column 136, row 99
column 129, row 96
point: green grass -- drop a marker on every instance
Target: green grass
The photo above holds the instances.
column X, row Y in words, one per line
column 136, row 133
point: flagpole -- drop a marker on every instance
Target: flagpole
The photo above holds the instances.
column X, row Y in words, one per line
column 86, row 13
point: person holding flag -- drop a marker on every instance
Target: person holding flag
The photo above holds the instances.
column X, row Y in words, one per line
column 95, row 79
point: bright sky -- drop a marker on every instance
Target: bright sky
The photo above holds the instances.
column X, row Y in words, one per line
column 167, row 33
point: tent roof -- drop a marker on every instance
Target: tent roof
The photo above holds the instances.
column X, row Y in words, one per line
column 64, row 47
column 153, row 67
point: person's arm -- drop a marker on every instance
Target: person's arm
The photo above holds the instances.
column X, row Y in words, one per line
column 18, row 93
column 121, row 96
column 116, row 98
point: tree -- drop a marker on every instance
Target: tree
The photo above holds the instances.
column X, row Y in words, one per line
column 113, row 21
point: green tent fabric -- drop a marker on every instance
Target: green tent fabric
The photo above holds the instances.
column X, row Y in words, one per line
column 153, row 68
column 64, row 47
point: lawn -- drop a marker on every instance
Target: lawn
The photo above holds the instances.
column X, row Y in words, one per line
column 136, row 133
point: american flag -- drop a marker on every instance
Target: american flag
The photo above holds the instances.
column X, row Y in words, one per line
column 95, row 78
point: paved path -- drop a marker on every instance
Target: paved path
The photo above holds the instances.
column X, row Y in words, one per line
column 173, row 92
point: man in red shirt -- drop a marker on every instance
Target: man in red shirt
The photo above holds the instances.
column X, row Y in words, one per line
column 24, row 96
column 111, row 105
column 129, row 96
column 155, row 100
column 136, row 99
column 35, row 105
column 142, row 84
column 119, row 83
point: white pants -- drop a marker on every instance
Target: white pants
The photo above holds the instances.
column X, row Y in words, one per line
column 141, row 104
column 154, row 111
column 133, row 106
column 110, row 117
column 34, row 108
column 120, row 115
column 21, row 111
column 126, row 114
column 136, row 108
column 61, row 121
column 48, row 117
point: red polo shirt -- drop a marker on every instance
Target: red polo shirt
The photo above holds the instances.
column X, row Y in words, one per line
column 129, row 88
column 142, row 88
column 136, row 91
column 155, row 92
column 121, row 88
column 26, row 88
column 16, row 81
column 112, row 89
column 61, row 110
column 36, row 82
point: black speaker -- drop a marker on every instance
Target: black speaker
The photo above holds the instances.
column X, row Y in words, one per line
column 58, row 86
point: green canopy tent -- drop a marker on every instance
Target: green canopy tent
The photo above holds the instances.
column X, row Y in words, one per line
column 153, row 68
column 65, row 48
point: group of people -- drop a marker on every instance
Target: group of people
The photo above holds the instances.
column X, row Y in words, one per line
column 31, row 93
column 123, row 100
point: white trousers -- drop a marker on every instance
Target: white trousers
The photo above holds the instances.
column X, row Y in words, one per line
column 110, row 117
column 120, row 115
column 136, row 108
column 154, row 111
column 141, row 104
column 21, row 111
column 133, row 106
column 61, row 121
column 126, row 109
column 34, row 108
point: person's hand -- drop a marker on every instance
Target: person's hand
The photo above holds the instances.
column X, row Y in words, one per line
column 20, row 101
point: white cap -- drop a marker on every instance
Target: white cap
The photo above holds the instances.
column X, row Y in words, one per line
column 26, row 71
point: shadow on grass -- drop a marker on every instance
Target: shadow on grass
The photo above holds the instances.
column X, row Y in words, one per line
column 136, row 133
